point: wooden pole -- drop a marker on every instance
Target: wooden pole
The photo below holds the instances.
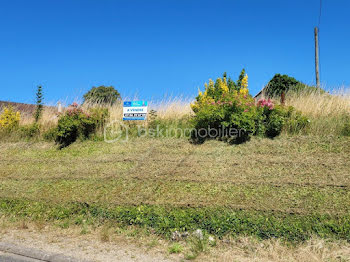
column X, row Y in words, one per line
column 317, row 59
column 283, row 98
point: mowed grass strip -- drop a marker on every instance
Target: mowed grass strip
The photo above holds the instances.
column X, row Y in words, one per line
column 286, row 160
column 308, row 176
column 288, row 198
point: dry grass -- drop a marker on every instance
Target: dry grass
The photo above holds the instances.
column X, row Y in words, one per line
column 49, row 118
column 321, row 105
column 167, row 109
column 248, row 250
column 89, row 246
column 172, row 108
column 328, row 112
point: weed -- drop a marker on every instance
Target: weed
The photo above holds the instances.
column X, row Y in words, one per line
column 40, row 224
column 175, row 248
column 84, row 230
column 153, row 243
column 23, row 225
column 64, row 224
column 105, row 233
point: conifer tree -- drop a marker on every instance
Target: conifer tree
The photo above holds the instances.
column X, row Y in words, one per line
column 39, row 103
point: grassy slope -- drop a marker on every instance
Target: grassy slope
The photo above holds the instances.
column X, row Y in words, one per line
column 291, row 187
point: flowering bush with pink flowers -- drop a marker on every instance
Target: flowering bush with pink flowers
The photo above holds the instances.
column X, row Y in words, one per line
column 265, row 103
column 273, row 119
column 74, row 124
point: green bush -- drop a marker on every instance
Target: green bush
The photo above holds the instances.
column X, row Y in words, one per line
column 50, row 134
column 296, row 122
column 73, row 125
column 274, row 124
column 346, row 128
column 224, row 113
column 283, row 84
column 100, row 115
column 30, row 131
column 272, row 120
column 231, row 114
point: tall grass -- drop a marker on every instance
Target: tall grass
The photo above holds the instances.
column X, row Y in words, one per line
column 329, row 113
column 166, row 109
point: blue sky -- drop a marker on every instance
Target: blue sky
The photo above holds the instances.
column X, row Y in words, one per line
column 168, row 47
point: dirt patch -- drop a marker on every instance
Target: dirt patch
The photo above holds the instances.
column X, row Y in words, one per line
column 88, row 247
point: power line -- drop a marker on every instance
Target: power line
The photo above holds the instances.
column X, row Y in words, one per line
column 319, row 16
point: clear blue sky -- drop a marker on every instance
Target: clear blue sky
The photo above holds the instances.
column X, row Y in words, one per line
column 166, row 47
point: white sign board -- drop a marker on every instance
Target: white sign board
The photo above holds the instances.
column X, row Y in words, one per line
column 135, row 110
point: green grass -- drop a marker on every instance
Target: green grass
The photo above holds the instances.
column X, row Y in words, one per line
column 175, row 248
column 289, row 187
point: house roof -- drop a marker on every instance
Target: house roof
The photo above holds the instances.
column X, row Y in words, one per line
column 24, row 108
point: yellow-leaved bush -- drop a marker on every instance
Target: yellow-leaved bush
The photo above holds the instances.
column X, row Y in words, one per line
column 9, row 118
column 225, row 110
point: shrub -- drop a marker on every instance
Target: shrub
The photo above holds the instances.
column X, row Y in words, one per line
column 102, row 95
column 9, row 119
column 296, row 122
column 283, row 83
column 230, row 114
column 224, row 113
column 272, row 120
column 30, row 131
column 50, row 134
column 73, row 125
column 346, row 128
column 100, row 115
column 274, row 124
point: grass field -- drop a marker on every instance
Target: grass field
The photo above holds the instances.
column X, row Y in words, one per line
column 289, row 187
column 282, row 199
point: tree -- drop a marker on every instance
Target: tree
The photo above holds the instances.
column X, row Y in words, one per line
column 283, row 84
column 39, row 104
column 102, row 95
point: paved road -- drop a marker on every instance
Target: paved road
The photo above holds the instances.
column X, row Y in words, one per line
column 9, row 257
column 15, row 253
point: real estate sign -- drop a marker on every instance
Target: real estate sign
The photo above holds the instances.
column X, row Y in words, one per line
column 135, row 110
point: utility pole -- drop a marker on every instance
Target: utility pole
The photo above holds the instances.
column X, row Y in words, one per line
column 317, row 59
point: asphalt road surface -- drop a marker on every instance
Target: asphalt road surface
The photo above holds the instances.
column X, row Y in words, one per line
column 15, row 253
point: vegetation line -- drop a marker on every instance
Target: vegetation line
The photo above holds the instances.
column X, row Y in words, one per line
column 165, row 220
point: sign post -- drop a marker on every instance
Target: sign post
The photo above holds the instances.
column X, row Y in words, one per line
column 135, row 110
